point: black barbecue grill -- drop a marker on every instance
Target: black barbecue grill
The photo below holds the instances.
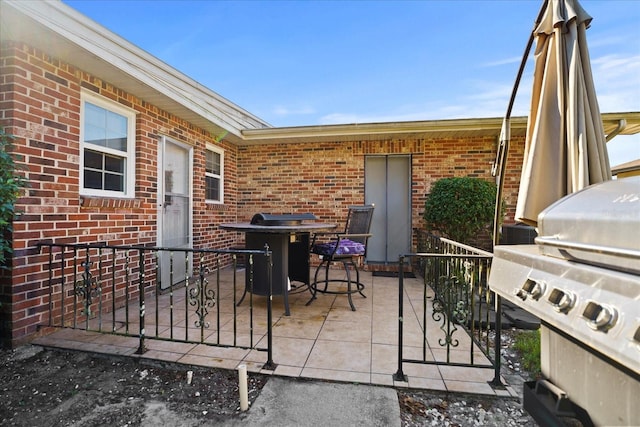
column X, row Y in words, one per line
column 287, row 235
column 582, row 279
column 284, row 219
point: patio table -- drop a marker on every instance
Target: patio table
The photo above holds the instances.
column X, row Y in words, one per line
column 290, row 254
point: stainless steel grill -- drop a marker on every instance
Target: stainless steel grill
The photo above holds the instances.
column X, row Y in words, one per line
column 582, row 279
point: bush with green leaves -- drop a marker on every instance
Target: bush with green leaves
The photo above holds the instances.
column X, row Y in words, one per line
column 460, row 207
column 11, row 183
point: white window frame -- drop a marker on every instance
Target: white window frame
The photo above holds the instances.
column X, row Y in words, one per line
column 129, row 156
column 218, row 150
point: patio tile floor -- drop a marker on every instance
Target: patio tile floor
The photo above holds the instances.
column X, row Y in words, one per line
column 325, row 340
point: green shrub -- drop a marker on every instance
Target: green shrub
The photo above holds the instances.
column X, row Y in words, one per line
column 11, row 184
column 460, row 207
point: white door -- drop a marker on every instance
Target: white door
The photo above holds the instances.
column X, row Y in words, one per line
column 388, row 186
column 174, row 229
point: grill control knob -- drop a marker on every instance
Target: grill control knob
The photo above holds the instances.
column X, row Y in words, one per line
column 600, row 317
column 562, row 301
column 533, row 288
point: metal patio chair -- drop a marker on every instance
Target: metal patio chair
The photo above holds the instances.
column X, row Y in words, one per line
column 348, row 247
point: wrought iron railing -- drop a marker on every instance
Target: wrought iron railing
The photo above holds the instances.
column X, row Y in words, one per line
column 119, row 290
column 456, row 306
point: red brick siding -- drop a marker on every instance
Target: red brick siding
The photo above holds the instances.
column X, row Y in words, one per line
column 40, row 105
column 325, row 178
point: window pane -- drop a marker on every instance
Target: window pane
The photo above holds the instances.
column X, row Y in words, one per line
column 95, row 116
column 116, row 131
column 92, row 160
column 213, row 162
column 105, row 128
column 113, row 182
column 113, row 164
column 92, row 179
column 212, row 188
column 95, row 122
column 103, row 172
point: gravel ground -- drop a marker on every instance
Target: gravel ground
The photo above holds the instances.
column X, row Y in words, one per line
column 427, row 408
column 66, row 388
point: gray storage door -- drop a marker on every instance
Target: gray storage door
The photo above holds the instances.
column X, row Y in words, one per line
column 388, row 186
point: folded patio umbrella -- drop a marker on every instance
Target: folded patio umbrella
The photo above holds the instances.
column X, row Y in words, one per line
column 565, row 147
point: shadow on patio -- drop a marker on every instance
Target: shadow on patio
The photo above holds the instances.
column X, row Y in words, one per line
column 324, row 340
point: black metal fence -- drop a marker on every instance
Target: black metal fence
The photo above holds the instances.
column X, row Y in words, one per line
column 456, row 306
column 119, row 290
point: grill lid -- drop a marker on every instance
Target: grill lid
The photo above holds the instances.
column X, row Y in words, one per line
column 598, row 225
column 286, row 219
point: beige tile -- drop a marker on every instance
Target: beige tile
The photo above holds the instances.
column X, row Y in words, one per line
column 417, row 353
column 175, row 347
column 288, row 371
column 218, row 352
column 345, row 331
column 349, row 356
column 107, row 349
column 335, row 375
column 78, row 335
column 117, row 340
column 297, row 328
column 382, row 379
column 255, row 356
column 459, row 356
column 235, row 340
column 413, row 337
column 314, row 312
column 360, row 303
column 324, row 301
column 162, row 355
column 421, row 370
column 291, row 351
column 469, row 387
column 384, row 332
column 359, row 316
column 192, row 359
column 426, row 383
column 384, row 359
column 461, row 373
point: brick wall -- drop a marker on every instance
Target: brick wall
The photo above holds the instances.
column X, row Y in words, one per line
column 40, row 105
column 325, row 178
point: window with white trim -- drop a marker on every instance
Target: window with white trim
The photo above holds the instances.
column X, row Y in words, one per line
column 214, row 175
column 107, row 148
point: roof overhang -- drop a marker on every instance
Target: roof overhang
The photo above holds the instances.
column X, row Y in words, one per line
column 431, row 129
column 66, row 34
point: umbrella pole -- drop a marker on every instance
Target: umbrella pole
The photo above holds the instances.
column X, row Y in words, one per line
column 499, row 168
column 500, row 165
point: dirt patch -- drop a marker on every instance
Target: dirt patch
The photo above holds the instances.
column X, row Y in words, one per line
column 65, row 388
column 68, row 388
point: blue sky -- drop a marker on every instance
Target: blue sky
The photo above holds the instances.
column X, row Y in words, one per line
column 295, row 63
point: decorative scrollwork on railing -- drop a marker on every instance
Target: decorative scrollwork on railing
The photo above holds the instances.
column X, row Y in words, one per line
column 87, row 288
column 451, row 307
column 202, row 298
